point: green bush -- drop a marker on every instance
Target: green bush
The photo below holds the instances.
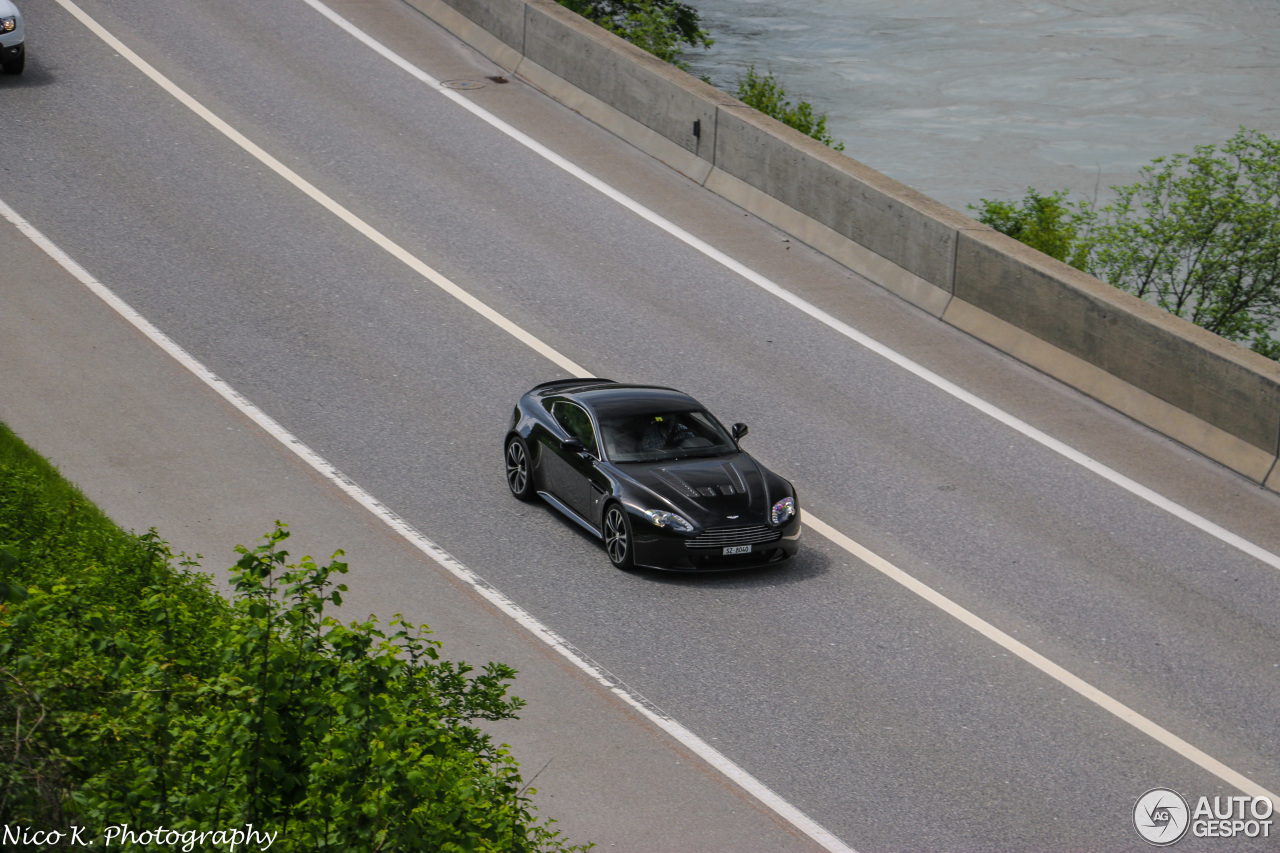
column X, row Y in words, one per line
column 1044, row 222
column 131, row 693
column 1198, row 234
column 662, row 27
column 56, row 545
column 767, row 95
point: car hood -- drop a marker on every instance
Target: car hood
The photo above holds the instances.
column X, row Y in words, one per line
column 709, row 491
column 7, row 9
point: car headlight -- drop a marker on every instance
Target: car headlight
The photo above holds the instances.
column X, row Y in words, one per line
column 783, row 510
column 8, row 25
column 668, row 519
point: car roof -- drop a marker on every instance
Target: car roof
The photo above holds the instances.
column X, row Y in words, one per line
column 618, row 399
column 613, row 399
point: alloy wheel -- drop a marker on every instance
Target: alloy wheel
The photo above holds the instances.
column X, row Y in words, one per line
column 616, row 541
column 517, row 469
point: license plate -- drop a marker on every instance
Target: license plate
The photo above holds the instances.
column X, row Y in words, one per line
column 737, row 549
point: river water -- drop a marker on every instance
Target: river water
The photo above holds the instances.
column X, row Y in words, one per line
column 971, row 99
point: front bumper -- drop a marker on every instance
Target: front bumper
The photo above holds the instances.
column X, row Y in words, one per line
column 658, row 548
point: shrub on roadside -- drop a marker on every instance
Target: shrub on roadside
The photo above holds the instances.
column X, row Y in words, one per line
column 661, row 27
column 1044, row 222
column 767, row 95
column 130, row 692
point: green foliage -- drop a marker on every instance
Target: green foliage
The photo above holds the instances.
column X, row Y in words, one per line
column 15, row 455
column 767, row 95
column 661, row 27
column 130, row 692
column 1044, row 222
column 1197, row 234
column 50, row 534
column 55, row 545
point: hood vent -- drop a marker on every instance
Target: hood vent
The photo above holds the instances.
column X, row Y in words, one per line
column 731, row 483
column 735, row 477
column 675, row 482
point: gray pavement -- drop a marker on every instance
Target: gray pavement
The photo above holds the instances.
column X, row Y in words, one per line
column 880, row 717
column 154, row 446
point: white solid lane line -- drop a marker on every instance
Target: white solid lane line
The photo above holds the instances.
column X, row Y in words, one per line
column 428, row 547
column 1040, row 662
column 731, row 770
column 1107, row 473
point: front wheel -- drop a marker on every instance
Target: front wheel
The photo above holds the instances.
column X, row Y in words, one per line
column 617, row 537
column 519, row 470
column 14, row 65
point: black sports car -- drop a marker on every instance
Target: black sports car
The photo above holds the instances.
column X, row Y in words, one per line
column 653, row 474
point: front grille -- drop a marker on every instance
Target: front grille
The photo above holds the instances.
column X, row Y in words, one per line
column 721, row 537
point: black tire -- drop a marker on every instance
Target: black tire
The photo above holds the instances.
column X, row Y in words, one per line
column 618, row 542
column 519, row 469
column 14, row 66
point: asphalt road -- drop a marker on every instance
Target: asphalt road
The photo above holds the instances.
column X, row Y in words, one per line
column 883, row 718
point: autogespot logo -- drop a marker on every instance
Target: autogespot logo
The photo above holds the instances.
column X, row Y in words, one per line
column 1161, row 817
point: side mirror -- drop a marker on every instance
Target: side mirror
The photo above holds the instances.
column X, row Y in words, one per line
column 572, row 444
column 739, row 430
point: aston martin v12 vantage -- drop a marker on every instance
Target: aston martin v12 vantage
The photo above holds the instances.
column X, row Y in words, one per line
column 652, row 473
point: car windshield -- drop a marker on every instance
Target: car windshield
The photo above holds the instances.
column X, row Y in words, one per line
column 660, row 436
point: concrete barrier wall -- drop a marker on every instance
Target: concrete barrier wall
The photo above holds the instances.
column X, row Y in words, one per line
column 1207, row 393
column 502, row 18
column 892, row 220
column 658, row 95
column 1192, row 385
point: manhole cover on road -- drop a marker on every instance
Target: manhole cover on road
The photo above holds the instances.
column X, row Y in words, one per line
column 462, row 84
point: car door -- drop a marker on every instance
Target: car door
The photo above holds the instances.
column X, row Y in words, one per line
column 573, row 472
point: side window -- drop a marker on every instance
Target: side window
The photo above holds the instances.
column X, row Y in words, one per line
column 577, row 423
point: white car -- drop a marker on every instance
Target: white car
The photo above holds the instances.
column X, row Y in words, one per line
column 13, row 53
